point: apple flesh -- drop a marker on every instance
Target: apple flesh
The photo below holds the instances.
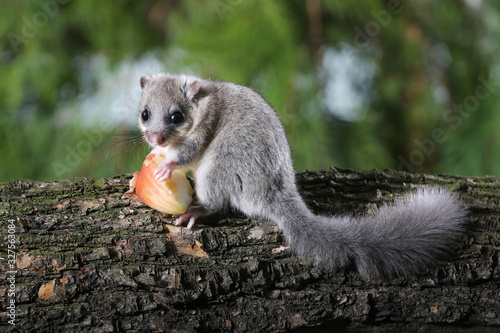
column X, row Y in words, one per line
column 171, row 196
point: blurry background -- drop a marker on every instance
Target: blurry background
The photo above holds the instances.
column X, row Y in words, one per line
column 409, row 85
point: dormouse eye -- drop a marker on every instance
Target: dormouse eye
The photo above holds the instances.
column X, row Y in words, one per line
column 176, row 118
column 145, row 115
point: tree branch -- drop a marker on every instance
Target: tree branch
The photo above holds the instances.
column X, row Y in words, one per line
column 90, row 260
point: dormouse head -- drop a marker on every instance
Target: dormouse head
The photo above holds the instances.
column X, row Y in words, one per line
column 167, row 110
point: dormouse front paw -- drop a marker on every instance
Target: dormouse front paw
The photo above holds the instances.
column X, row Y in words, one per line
column 164, row 170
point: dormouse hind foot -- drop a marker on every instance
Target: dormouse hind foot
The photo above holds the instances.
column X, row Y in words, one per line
column 192, row 213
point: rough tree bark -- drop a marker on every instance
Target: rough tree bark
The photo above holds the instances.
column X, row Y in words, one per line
column 89, row 260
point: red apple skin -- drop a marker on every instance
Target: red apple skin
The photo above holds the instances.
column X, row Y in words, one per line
column 171, row 196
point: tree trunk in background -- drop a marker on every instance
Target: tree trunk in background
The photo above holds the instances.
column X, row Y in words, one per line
column 89, row 260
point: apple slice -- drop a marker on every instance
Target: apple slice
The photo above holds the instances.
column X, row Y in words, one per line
column 171, row 196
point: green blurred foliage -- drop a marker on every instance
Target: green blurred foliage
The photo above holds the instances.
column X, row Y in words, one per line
column 421, row 111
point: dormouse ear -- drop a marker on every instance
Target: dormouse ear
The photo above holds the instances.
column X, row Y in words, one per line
column 144, row 81
column 193, row 90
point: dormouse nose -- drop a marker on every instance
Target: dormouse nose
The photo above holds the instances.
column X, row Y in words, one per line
column 156, row 138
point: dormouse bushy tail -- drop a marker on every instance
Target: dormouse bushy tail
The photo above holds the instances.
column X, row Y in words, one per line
column 398, row 240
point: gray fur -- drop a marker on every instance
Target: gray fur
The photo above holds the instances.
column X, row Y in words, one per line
column 237, row 148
